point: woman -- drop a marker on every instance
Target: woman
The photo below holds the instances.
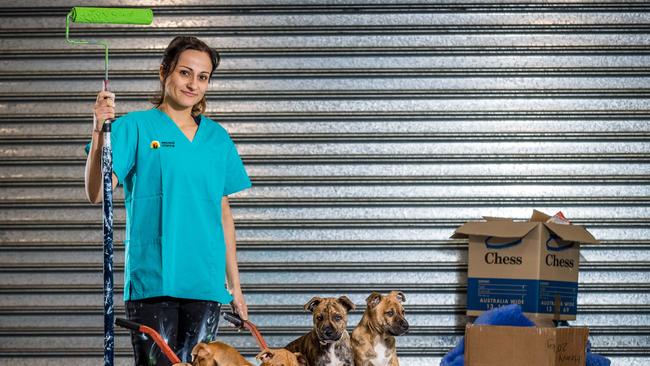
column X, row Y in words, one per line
column 177, row 168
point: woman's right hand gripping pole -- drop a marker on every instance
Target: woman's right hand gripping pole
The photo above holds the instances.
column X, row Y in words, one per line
column 104, row 109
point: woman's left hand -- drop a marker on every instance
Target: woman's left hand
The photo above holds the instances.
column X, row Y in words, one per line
column 239, row 304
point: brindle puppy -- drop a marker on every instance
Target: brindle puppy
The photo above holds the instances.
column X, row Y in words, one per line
column 373, row 340
column 328, row 344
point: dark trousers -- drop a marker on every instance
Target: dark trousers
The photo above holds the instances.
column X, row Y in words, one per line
column 182, row 323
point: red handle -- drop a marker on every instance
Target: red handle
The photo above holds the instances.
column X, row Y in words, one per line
column 256, row 333
column 164, row 347
column 240, row 323
column 161, row 343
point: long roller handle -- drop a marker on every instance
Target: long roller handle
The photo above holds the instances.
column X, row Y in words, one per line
column 107, row 205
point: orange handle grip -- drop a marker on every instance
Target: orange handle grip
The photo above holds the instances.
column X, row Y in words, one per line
column 161, row 343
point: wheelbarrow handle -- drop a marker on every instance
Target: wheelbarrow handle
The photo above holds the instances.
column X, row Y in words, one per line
column 234, row 319
column 124, row 323
column 164, row 347
column 240, row 323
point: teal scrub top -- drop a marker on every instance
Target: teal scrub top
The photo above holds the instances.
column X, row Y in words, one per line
column 173, row 189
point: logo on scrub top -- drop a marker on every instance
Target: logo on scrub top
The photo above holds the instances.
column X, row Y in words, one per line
column 155, row 144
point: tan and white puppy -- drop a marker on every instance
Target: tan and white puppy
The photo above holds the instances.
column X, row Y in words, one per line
column 221, row 354
column 373, row 340
column 217, row 354
column 281, row 357
column 328, row 343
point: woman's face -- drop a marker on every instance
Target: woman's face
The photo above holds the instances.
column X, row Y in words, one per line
column 188, row 82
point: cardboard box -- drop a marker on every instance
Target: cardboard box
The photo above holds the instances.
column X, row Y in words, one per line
column 532, row 263
column 489, row 345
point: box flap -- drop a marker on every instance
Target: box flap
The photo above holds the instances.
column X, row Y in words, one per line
column 539, row 216
column 572, row 233
column 500, row 229
column 492, row 218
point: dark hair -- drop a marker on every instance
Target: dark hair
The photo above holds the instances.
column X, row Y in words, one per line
column 170, row 59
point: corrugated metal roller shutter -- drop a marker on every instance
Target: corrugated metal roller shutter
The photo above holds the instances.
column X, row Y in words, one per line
column 370, row 130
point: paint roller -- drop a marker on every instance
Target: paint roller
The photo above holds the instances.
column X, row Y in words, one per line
column 92, row 15
column 87, row 15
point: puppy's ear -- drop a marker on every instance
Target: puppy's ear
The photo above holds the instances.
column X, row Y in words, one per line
column 373, row 300
column 265, row 356
column 302, row 361
column 200, row 353
column 399, row 295
column 311, row 304
column 346, row 302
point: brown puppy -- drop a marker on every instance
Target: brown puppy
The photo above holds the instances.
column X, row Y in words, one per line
column 217, row 354
column 281, row 357
column 373, row 340
column 328, row 344
column 221, row 354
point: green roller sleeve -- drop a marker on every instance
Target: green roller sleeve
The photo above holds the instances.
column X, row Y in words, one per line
column 80, row 14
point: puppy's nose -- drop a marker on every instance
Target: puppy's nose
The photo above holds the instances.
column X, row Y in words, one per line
column 328, row 331
column 404, row 324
